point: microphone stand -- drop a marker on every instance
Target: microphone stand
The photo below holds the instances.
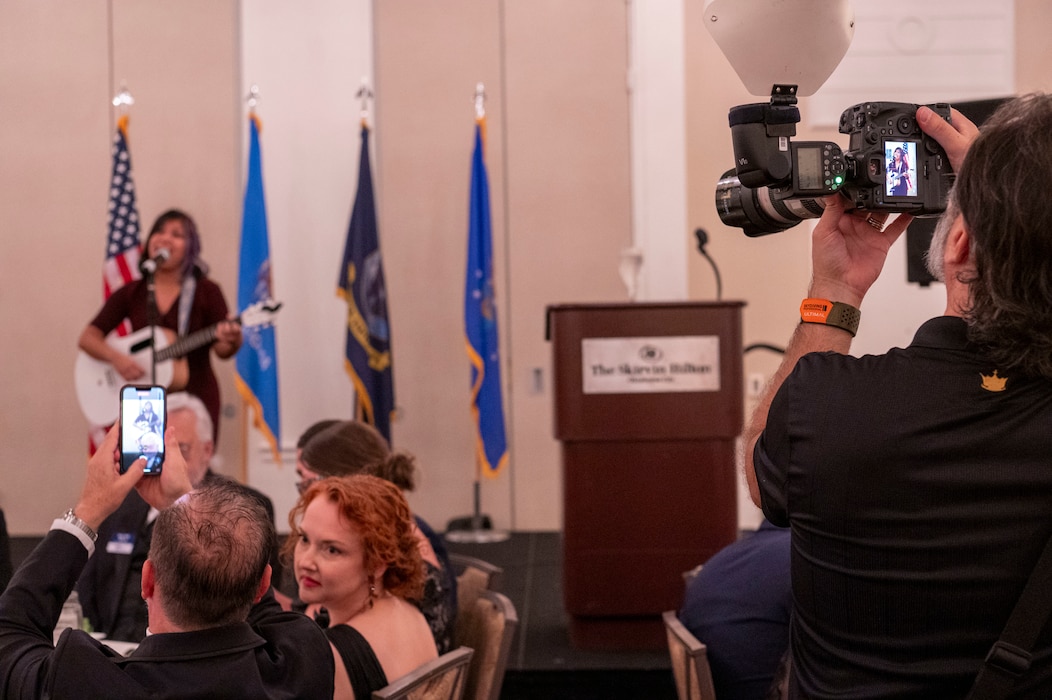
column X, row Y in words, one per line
column 151, row 320
column 703, row 240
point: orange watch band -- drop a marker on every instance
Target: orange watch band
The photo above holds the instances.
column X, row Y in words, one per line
column 830, row 313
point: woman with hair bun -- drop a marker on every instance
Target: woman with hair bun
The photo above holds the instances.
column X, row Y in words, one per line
column 353, row 447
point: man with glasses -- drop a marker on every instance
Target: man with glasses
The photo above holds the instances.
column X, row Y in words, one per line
column 110, row 588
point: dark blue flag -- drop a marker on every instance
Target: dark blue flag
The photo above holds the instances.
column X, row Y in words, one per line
column 361, row 285
column 480, row 323
column 257, row 360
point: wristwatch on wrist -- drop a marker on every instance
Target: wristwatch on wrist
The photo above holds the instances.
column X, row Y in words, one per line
column 70, row 517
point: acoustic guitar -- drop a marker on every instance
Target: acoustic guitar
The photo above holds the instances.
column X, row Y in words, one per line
column 98, row 383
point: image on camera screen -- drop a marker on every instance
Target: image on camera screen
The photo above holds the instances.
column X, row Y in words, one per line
column 900, row 168
column 142, row 428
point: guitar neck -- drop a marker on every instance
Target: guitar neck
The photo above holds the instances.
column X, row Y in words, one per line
column 255, row 315
column 188, row 343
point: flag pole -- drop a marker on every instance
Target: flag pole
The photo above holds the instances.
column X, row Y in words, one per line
column 361, row 285
column 123, row 249
column 256, row 363
column 250, row 100
column 364, row 95
column 477, row 528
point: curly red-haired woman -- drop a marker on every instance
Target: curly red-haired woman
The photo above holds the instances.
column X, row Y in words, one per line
column 356, row 555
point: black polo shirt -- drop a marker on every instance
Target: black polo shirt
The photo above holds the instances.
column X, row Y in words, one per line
column 918, row 486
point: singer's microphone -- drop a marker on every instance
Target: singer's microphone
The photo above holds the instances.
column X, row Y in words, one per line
column 150, row 264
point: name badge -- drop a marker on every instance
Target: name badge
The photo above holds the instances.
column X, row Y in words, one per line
column 121, row 543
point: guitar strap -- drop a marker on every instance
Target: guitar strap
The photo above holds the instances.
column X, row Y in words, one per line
column 186, row 301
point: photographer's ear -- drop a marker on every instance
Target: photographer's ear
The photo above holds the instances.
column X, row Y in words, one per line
column 958, row 244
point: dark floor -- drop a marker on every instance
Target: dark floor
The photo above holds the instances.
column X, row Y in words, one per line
column 544, row 664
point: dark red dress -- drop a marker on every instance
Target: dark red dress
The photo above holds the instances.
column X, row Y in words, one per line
column 209, row 307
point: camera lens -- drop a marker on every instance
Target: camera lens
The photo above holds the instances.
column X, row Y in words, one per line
column 759, row 211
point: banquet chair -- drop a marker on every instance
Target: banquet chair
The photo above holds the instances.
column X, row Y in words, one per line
column 488, row 627
column 443, row 678
column 690, row 663
column 477, row 573
column 473, row 577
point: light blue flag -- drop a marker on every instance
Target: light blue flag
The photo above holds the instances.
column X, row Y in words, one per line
column 257, row 360
column 480, row 323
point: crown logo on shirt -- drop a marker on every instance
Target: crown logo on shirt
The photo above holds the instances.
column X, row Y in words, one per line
column 993, row 382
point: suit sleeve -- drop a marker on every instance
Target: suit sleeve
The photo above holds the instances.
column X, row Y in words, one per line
column 29, row 611
column 6, row 570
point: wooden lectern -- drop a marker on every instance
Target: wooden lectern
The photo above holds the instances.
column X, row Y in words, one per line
column 648, row 406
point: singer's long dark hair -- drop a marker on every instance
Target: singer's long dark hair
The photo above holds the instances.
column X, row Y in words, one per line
column 193, row 240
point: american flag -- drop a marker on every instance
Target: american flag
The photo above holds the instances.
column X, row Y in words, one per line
column 122, row 244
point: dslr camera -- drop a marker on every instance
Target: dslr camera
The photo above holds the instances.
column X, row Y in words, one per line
column 890, row 164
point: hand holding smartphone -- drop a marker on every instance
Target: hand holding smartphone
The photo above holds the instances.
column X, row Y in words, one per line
column 143, row 419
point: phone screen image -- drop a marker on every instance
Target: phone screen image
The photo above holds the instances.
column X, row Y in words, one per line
column 143, row 416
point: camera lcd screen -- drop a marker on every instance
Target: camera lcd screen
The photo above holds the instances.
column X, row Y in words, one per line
column 900, row 170
column 809, row 168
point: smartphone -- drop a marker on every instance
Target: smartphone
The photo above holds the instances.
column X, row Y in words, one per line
column 144, row 416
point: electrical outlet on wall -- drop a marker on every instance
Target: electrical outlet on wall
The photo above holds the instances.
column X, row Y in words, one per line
column 755, row 384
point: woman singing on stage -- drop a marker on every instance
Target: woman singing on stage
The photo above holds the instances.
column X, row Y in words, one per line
column 186, row 301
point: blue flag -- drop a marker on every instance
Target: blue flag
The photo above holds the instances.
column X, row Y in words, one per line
column 361, row 285
column 257, row 360
column 480, row 324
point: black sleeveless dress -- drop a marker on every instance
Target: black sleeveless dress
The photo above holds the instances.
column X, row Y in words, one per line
column 361, row 663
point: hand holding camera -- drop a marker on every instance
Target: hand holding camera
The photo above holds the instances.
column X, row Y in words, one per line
column 848, row 250
column 849, row 247
column 955, row 134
